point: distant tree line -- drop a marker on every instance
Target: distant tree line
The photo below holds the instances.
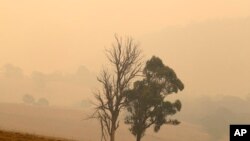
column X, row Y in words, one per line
column 30, row 100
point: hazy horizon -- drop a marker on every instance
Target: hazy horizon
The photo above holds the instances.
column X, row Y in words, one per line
column 54, row 49
column 216, row 65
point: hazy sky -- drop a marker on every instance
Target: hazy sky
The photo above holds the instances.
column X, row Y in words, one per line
column 205, row 42
column 55, row 48
column 61, row 35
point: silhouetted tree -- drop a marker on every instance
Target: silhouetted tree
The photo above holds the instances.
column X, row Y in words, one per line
column 146, row 101
column 125, row 58
column 42, row 102
column 28, row 99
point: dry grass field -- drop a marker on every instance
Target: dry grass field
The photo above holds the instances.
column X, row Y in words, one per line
column 16, row 136
column 70, row 124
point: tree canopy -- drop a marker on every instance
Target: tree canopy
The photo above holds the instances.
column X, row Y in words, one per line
column 146, row 101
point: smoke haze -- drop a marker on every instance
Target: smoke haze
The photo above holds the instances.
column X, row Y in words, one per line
column 54, row 49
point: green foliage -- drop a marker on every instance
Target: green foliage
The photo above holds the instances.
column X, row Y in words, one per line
column 156, row 71
column 146, row 104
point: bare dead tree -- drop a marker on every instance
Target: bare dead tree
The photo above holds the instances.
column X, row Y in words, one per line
column 125, row 59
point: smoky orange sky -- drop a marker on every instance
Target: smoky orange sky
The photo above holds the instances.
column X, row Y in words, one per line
column 60, row 35
column 205, row 42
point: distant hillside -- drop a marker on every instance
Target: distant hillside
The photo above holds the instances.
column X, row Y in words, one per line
column 211, row 57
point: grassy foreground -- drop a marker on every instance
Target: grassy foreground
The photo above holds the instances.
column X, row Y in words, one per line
column 16, row 136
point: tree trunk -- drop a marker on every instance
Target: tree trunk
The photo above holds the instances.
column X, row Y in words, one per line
column 138, row 137
column 112, row 136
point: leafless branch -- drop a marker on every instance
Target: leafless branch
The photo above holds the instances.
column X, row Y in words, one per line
column 125, row 57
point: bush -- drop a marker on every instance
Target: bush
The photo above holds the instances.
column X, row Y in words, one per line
column 28, row 99
column 42, row 102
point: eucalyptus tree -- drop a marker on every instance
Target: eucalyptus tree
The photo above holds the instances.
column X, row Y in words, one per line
column 146, row 102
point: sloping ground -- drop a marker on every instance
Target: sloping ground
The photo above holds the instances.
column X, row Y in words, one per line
column 16, row 136
column 70, row 124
